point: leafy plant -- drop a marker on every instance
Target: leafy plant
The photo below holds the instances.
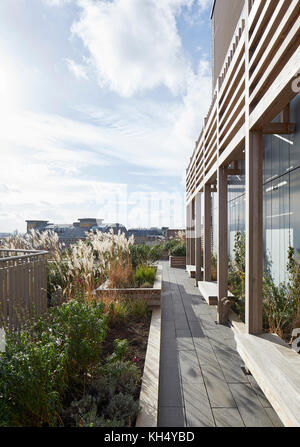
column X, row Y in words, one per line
column 32, row 381
column 123, row 407
column 155, row 252
column 282, row 303
column 236, row 273
column 144, row 274
column 111, row 400
column 178, row 250
column 170, row 243
column 43, row 359
column 214, row 266
column 143, row 254
column 121, row 349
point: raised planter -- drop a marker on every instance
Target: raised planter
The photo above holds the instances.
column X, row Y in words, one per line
column 148, row 409
column 177, row 261
column 151, row 295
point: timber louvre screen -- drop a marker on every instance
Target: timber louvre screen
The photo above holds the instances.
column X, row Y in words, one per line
column 23, row 285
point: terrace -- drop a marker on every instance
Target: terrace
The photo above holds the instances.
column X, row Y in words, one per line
column 205, row 367
column 202, row 379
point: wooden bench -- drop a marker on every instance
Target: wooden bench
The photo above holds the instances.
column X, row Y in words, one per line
column 209, row 291
column 191, row 269
column 276, row 369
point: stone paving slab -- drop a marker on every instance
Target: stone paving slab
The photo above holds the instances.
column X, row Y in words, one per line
column 228, row 417
column 250, row 408
column 189, row 367
column 198, row 411
column 201, row 380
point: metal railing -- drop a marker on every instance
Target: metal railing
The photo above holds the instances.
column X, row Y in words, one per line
column 23, row 285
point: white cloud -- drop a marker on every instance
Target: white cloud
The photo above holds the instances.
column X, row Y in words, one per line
column 204, row 4
column 56, row 2
column 80, row 71
column 135, row 44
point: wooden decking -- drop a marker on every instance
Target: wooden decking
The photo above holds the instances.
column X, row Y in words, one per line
column 201, row 380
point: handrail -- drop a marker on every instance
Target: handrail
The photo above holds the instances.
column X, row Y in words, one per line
column 31, row 253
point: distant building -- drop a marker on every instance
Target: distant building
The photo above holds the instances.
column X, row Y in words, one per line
column 153, row 231
column 36, row 225
column 67, row 233
column 3, row 235
column 70, row 233
column 172, row 232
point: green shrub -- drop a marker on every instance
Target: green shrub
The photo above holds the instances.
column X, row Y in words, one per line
column 123, row 377
column 170, row 243
column 44, row 358
column 145, row 274
column 140, row 255
column 32, row 381
column 155, row 253
column 79, row 328
column 178, row 250
column 123, row 407
column 281, row 303
column 137, row 309
column 111, row 400
column 121, row 349
column 143, row 254
column 236, row 273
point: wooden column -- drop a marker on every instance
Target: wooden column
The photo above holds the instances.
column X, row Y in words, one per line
column 193, row 232
column 207, row 232
column 198, row 237
column 222, row 240
column 253, row 210
column 254, row 232
column 187, row 234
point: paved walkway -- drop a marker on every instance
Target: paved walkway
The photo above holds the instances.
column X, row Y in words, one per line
column 201, row 380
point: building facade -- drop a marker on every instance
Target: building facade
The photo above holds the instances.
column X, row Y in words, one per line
column 244, row 173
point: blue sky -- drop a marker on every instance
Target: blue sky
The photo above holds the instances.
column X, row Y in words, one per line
column 101, row 102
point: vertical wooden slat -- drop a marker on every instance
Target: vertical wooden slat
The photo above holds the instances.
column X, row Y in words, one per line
column 192, row 211
column 26, row 285
column 254, row 233
column 253, row 211
column 198, row 237
column 23, row 286
column 222, row 240
column 207, row 232
column 188, row 235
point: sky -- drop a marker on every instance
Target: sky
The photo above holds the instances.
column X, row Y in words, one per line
column 101, row 102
